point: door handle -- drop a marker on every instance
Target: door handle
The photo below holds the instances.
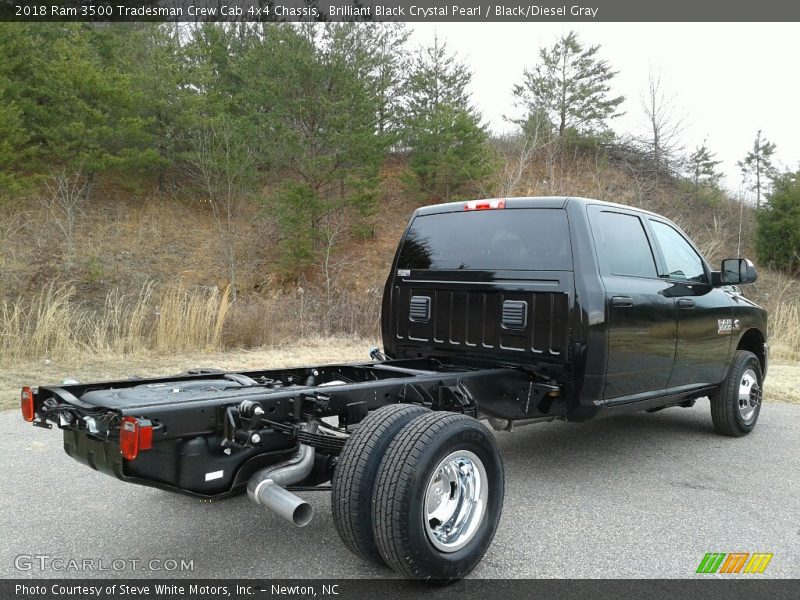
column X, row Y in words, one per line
column 685, row 303
column 621, row 301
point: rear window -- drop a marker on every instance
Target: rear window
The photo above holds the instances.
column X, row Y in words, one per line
column 534, row 239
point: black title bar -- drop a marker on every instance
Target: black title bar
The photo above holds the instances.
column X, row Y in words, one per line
column 401, row 10
column 711, row 588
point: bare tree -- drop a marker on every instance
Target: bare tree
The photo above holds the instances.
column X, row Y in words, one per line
column 663, row 141
column 63, row 197
column 223, row 164
column 13, row 222
column 517, row 152
column 628, row 154
column 643, row 184
column 334, row 231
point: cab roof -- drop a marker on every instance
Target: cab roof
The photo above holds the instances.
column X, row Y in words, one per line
column 529, row 202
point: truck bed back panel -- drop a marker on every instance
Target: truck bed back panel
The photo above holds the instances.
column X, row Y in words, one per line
column 522, row 320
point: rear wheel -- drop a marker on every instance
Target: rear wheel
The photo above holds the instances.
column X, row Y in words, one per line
column 736, row 404
column 355, row 474
column 438, row 497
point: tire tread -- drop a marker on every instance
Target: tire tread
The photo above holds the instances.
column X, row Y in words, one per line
column 353, row 478
column 724, row 401
column 395, row 477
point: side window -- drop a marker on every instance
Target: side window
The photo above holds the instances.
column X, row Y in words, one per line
column 683, row 263
column 623, row 242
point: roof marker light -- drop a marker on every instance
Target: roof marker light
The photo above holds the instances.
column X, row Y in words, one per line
column 485, row 204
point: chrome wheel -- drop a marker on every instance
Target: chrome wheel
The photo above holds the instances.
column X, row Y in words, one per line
column 749, row 395
column 455, row 501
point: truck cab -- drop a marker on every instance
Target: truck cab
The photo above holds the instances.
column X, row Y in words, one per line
column 614, row 303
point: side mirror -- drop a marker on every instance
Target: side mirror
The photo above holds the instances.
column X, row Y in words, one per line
column 737, row 270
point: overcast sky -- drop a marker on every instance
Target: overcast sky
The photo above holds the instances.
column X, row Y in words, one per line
column 728, row 79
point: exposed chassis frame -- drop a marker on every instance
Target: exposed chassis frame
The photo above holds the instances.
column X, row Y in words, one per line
column 256, row 420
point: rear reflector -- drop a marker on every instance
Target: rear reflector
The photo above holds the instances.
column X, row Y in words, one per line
column 135, row 435
column 484, row 204
column 26, row 404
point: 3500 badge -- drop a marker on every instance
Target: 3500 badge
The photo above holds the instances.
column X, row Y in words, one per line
column 727, row 326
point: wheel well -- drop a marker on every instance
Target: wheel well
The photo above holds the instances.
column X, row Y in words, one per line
column 753, row 341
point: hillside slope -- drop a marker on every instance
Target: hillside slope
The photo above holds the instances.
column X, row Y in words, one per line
column 127, row 241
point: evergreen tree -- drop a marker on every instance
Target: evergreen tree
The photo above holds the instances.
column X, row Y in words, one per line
column 757, row 165
column 703, row 167
column 159, row 108
column 12, row 138
column 315, row 117
column 73, row 96
column 442, row 130
column 571, row 86
column 778, row 232
column 377, row 52
column 68, row 97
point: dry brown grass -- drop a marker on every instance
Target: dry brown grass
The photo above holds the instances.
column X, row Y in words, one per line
column 303, row 313
column 784, row 332
column 783, row 383
column 54, row 324
column 100, row 367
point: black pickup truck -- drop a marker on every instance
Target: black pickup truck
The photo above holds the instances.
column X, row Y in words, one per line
column 510, row 311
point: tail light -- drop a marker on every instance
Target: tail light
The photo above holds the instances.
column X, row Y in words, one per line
column 26, row 404
column 135, row 435
column 484, row 204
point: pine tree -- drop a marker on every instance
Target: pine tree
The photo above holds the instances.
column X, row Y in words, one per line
column 13, row 137
column 703, row 167
column 442, row 130
column 571, row 85
column 757, row 165
column 378, row 55
column 153, row 122
column 73, row 96
column 778, row 232
column 313, row 115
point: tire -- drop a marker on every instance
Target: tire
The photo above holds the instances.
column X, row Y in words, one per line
column 355, row 473
column 736, row 404
column 407, row 486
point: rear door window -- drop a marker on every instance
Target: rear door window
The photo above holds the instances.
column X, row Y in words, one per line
column 535, row 239
column 623, row 245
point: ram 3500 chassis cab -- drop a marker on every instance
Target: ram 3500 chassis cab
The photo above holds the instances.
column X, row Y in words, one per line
column 511, row 311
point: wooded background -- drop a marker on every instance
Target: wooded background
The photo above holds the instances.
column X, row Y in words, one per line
column 169, row 187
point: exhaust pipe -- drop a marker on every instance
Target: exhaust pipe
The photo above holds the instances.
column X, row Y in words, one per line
column 265, row 487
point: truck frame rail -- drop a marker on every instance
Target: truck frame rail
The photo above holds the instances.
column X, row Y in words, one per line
column 208, row 431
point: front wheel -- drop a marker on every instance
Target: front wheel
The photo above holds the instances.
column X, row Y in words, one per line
column 736, row 404
column 438, row 497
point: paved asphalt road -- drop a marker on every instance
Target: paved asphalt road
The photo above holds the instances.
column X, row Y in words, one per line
column 638, row 496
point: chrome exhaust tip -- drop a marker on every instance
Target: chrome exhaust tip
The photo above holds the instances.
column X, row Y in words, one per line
column 284, row 503
column 265, row 487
